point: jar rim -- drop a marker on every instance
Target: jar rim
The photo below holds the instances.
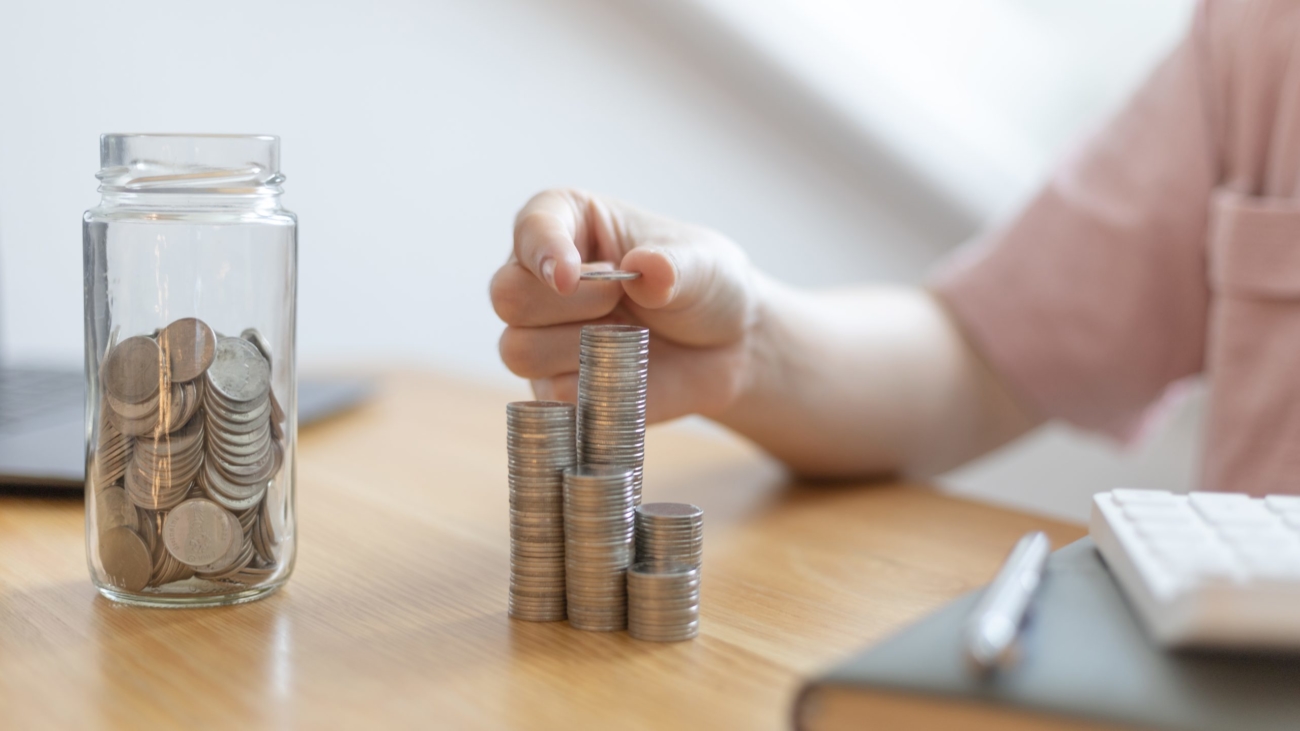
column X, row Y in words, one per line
column 137, row 162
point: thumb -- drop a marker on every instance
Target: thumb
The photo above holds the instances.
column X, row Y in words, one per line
column 693, row 288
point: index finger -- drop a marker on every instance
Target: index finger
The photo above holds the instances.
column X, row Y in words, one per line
column 548, row 233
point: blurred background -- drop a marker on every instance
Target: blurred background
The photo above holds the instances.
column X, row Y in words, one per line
column 838, row 141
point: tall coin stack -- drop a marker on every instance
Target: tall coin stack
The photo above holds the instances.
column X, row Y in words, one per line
column 613, row 362
column 663, row 601
column 669, row 533
column 598, row 528
column 190, row 439
column 540, row 447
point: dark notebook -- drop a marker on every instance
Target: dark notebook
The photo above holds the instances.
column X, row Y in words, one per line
column 1083, row 655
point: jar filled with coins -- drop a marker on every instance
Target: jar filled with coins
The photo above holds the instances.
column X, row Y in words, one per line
column 190, row 296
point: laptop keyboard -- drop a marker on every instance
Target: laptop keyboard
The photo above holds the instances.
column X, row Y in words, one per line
column 31, row 397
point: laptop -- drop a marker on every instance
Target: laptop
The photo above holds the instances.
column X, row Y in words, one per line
column 43, row 427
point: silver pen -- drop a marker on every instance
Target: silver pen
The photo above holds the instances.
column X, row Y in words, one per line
column 995, row 621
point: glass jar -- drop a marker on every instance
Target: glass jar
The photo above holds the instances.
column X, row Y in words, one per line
column 191, row 296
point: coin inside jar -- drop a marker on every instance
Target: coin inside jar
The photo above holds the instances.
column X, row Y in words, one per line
column 125, row 558
column 189, row 345
column 198, row 532
column 238, row 371
column 255, row 336
column 114, row 510
column 131, row 370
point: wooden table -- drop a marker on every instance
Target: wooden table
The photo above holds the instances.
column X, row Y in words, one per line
column 396, row 614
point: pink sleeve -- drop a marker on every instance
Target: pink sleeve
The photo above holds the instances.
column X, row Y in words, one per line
column 1093, row 300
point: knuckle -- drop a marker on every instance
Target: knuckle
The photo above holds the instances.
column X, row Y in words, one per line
column 507, row 300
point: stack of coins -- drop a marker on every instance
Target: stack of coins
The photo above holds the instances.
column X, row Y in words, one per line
column 663, row 601
column 598, row 528
column 540, row 447
column 162, row 470
column 190, row 438
column 242, row 452
column 113, row 452
column 670, row 533
column 613, row 362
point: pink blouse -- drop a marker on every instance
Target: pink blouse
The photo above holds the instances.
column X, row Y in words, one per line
column 1166, row 248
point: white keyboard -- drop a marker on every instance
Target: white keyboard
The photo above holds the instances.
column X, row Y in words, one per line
column 1205, row 569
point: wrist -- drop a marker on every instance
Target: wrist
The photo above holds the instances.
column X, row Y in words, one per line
column 762, row 361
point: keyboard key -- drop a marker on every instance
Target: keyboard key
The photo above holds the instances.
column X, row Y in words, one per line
column 1146, row 497
column 1159, row 513
column 1215, row 501
column 1188, row 533
column 1230, row 509
column 1283, row 503
column 1273, row 538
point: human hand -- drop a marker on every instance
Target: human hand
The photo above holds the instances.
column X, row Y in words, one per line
column 697, row 293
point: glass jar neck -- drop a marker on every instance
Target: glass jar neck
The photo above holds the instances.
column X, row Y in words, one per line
column 260, row 201
column 161, row 172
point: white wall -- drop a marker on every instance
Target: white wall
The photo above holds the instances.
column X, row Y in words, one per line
column 411, row 133
column 412, row 130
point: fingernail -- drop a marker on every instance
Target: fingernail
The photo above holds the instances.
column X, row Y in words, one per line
column 543, row 390
column 548, row 272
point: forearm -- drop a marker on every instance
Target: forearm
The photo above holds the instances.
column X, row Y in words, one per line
column 869, row 381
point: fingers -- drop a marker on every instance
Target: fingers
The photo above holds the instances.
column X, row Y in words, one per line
column 559, row 229
column 541, row 352
column 522, row 300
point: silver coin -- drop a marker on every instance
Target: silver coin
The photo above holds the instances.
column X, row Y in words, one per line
column 242, row 558
column 227, row 502
column 254, row 336
column 228, row 560
column 663, row 599
column 230, row 418
column 238, row 371
column 142, row 410
column 189, row 346
column 153, row 494
column 198, row 532
column 114, row 510
column 189, row 437
column 131, row 371
column 133, row 427
column 610, row 275
column 125, row 559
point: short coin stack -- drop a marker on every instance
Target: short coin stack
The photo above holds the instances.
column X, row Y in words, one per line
column 613, row 363
column 598, row 543
column 540, row 447
column 669, row 533
column 663, row 601
column 190, row 438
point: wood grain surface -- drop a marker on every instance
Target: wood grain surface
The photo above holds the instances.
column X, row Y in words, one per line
column 396, row 614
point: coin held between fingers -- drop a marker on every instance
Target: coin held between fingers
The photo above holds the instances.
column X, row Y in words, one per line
column 610, row 275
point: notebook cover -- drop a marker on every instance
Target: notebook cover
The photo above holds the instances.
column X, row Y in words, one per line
column 1083, row 654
